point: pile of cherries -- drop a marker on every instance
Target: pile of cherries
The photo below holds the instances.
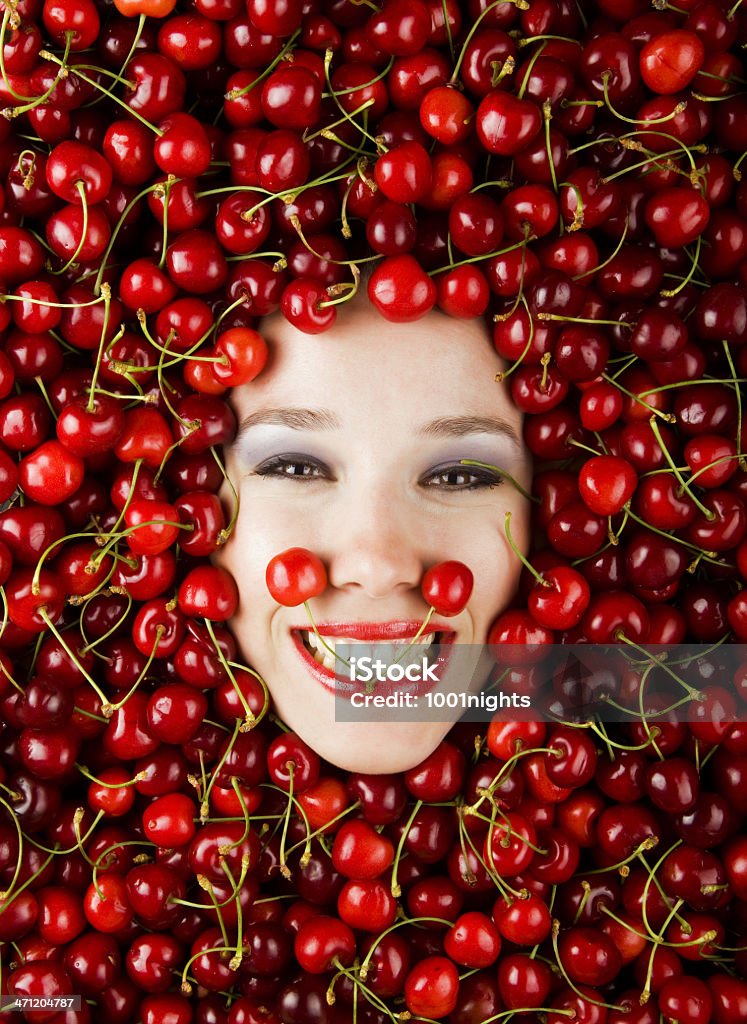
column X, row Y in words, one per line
column 170, row 174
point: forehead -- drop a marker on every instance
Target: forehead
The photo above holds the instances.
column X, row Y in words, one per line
column 366, row 365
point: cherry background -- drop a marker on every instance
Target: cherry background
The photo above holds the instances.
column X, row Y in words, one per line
column 174, row 172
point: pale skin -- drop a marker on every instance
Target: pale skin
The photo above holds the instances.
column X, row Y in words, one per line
column 350, row 445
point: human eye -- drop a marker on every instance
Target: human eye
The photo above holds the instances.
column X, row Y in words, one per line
column 456, row 477
column 293, row 467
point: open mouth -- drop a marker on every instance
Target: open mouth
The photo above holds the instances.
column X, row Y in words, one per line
column 418, row 649
column 389, row 646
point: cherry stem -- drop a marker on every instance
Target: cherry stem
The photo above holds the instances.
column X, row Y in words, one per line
column 353, row 264
column 235, row 94
column 709, row 556
column 8, row 676
column 599, row 729
column 237, row 887
column 532, row 1010
column 673, row 908
column 323, row 828
column 93, row 644
column 668, row 417
column 24, row 885
column 328, row 58
column 106, row 295
column 522, row 558
column 528, row 70
column 737, row 389
column 250, row 719
column 9, row 18
column 417, row 636
column 395, row 887
column 42, row 612
column 358, row 983
column 320, row 638
column 115, row 231
column 671, row 292
column 520, row 5
column 111, row 785
column 585, row 997
column 204, row 808
column 108, row 709
column 659, row 160
column 505, row 374
column 615, row 251
column 547, row 117
column 236, row 787
column 578, row 215
column 185, row 986
column 165, row 188
column 46, row 55
column 77, row 818
column 35, row 101
column 334, row 124
column 116, row 538
column 684, row 486
column 365, row 963
column 284, row 869
column 207, row 886
column 135, row 41
column 226, row 532
column 678, row 109
column 16, row 824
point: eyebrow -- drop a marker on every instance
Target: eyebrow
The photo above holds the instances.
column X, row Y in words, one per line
column 460, row 426
column 296, row 419
column 324, row 419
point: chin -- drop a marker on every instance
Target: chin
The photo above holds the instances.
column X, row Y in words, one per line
column 381, row 748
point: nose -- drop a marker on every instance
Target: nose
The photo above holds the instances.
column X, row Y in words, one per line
column 376, row 547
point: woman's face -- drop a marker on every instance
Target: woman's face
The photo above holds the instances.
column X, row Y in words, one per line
column 349, row 445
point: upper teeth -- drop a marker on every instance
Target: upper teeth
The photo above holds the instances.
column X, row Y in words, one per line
column 326, row 658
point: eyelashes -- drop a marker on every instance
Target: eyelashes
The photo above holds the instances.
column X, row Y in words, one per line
column 450, row 478
column 293, row 467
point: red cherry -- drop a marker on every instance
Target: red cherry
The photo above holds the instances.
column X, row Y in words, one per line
column 367, row 905
column 509, row 845
column 27, row 598
column 209, row 591
column 670, row 61
column 401, row 290
column 561, row 600
column 473, row 941
column 168, row 820
column 506, row 124
column 88, row 428
column 183, row 148
column 677, row 216
column 404, row 173
column 74, row 171
column 447, row 587
column 360, row 852
column 295, row 576
column 606, row 483
column 152, row 526
column 105, row 905
column 322, row 942
column 432, row 987
column 51, row 474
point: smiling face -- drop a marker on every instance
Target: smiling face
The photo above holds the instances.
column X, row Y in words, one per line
column 350, row 445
